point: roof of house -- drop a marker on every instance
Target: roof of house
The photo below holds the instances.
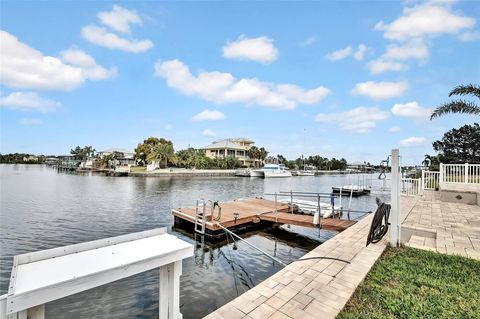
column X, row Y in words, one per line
column 228, row 143
column 119, row 150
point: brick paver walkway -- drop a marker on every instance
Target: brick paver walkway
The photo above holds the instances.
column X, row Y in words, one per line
column 317, row 288
column 320, row 288
column 450, row 228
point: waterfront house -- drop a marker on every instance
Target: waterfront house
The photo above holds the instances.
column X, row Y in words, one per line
column 127, row 157
column 232, row 147
column 358, row 167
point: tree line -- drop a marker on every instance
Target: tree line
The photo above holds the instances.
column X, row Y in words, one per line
column 21, row 158
column 461, row 145
column 162, row 151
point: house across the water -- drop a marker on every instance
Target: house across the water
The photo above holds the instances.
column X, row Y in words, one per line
column 232, row 147
column 126, row 157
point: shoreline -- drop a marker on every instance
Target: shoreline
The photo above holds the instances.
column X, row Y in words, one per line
column 167, row 172
column 189, row 172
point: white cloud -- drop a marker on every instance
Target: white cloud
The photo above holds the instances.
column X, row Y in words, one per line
column 308, row 41
column 28, row 101
column 394, row 129
column 259, row 49
column 103, row 37
column 380, row 90
column 87, row 64
column 168, row 127
column 207, row 132
column 396, row 55
column 340, row 54
column 30, row 122
column 361, row 51
column 413, row 141
column 379, row 66
column 360, row 119
column 425, row 20
column 415, row 49
column 469, row 36
column 209, row 115
column 26, row 68
column 119, row 19
column 411, row 110
column 224, row 88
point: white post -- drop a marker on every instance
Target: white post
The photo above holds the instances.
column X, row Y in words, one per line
column 423, row 180
column 3, row 306
column 440, row 179
column 37, row 312
column 466, row 173
column 395, row 200
column 169, row 289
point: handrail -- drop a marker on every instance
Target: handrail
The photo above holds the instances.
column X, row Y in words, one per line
column 251, row 245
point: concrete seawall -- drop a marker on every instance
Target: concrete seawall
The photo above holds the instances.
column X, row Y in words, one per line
column 185, row 173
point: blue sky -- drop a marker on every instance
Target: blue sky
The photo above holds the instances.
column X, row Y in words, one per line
column 339, row 79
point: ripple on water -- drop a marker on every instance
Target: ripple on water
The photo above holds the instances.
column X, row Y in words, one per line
column 42, row 209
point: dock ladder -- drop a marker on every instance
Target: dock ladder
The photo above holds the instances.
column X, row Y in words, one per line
column 200, row 216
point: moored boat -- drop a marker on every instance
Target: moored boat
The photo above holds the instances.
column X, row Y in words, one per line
column 305, row 173
column 257, row 173
column 311, row 207
column 245, row 172
column 275, row 170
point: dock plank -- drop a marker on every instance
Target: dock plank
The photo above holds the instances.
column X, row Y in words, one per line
column 254, row 210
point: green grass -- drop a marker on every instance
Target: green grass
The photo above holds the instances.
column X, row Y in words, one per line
column 411, row 283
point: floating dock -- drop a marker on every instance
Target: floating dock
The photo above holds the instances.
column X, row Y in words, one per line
column 249, row 213
column 352, row 190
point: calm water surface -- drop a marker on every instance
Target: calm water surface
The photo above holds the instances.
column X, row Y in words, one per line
column 41, row 209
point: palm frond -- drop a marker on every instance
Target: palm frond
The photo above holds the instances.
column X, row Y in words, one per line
column 469, row 89
column 456, row 106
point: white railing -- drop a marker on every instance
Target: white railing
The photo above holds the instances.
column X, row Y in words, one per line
column 411, row 186
column 460, row 173
column 430, row 180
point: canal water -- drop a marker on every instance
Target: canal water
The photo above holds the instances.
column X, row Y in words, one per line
column 41, row 208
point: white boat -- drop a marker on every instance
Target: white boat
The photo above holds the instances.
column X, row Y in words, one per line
column 311, row 207
column 245, row 172
column 257, row 173
column 305, row 173
column 275, row 170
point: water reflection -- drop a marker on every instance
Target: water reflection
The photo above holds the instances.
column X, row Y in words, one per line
column 41, row 209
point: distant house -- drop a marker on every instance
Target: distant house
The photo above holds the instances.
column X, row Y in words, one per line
column 30, row 158
column 128, row 157
column 358, row 167
column 232, row 147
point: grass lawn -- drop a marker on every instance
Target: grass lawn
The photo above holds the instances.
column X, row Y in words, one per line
column 413, row 283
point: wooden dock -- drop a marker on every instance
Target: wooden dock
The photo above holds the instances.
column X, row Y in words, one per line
column 251, row 212
column 348, row 190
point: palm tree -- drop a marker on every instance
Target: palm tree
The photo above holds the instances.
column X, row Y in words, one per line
column 460, row 106
column 162, row 152
column 263, row 153
column 254, row 154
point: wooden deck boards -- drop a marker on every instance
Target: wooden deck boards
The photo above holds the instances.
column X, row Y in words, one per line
column 254, row 210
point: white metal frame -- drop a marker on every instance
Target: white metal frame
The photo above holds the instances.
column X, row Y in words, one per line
column 16, row 304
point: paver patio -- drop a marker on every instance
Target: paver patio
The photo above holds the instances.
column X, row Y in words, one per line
column 319, row 288
column 316, row 288
column 431, row 224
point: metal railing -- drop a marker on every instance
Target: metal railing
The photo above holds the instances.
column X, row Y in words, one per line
column 460, row 173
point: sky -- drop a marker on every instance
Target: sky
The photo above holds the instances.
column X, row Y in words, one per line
column 350, row 79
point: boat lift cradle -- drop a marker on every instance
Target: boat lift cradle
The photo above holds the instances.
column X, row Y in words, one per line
column 40, row 277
